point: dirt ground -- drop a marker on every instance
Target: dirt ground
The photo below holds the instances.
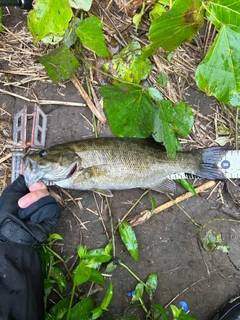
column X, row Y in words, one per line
column 168, row 242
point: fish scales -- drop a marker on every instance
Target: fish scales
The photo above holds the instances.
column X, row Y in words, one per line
column 106, row 164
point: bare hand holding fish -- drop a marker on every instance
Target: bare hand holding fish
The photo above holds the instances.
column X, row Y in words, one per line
column 106, row 164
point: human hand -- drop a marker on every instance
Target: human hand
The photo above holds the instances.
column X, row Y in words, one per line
column 27, row 216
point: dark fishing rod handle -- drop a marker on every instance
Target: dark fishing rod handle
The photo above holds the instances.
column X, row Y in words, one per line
column 23, row 4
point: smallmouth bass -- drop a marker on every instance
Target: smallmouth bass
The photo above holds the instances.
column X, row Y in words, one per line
column 106, row 164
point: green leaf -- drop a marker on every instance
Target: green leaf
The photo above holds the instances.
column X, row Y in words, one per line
column 157, row 11
column 160, row 313
column 99, row 255
column 60, row 64
column 138, row 292
column 108, row 248
column 129, row 64
column 81, row 4
column 224, row 12
column 48, row 286
column 175, row 26
column 219, row 73
column 153, row 201
column 162, row 79
column 188, row 186
column 138, row 16
column 129, row 109
column 97, row 277
column 54, row 236
column 91, row 34
column 82, row 309
column 96, row 313
column 129, row 239
column 107, row 299
column 49, row 18
column 59, row 277
column 110, row 267
column 170, row 122
column 82, row 251
column 61, row 307
column 152, row 282
column 82, row 273
column 70, row 36
column 212, row 243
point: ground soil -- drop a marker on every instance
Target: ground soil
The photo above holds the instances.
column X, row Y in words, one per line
column 168, row 242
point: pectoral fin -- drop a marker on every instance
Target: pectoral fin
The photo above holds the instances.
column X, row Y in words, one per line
column 165, row 186
column 106, row 193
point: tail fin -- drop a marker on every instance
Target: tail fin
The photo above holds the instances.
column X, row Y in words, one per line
column 210, row 163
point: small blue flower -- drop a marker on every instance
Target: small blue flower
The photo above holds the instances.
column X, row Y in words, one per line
column 130, row 294
column 184, row 306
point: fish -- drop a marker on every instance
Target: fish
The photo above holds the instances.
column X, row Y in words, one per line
column 105, row 164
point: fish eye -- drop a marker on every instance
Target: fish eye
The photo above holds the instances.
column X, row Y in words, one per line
column 42, row 153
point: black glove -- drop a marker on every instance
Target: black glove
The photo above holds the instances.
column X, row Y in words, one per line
column 30, row 226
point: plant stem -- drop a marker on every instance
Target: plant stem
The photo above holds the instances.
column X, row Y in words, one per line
column 71, row 300
column 132, row 207
column 112, row 228
column 131, row 272
column 63, row 262
column 144, row 307
column 189, row 217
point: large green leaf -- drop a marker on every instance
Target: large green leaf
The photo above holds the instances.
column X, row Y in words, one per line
column 151, row 282
column 60, row 63
column 49, row 18
column 175, row 26
column 171, row 122
column 82, row 273
column 129, row 239
column 129, row 109
column 99, row 255
column 82, row 309
column 91, row 34
column 219, row 73
column 129, row 64
column 225, row 12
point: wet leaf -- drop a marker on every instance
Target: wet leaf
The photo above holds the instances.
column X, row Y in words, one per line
column 91, row 34
column 99, row 255
column 96, row 276
column 188, row 186
column 82, row 309
column 219, row 73
column 81, row 4
column 107, row 299
column 129, row 64
column 171, row 122
column 152, row 282
column 175, row 26
column 82, row 273
column 60, row 63
column 224, row 12
column 129, row 239
column 49, row 18
column 129, row 110
column 60, row 308
column 82, row 251
column 59, row 277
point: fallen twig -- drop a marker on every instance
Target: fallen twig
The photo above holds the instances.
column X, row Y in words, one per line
column 146, row 214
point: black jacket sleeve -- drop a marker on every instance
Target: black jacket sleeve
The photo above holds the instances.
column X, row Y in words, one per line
column 21, row 283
